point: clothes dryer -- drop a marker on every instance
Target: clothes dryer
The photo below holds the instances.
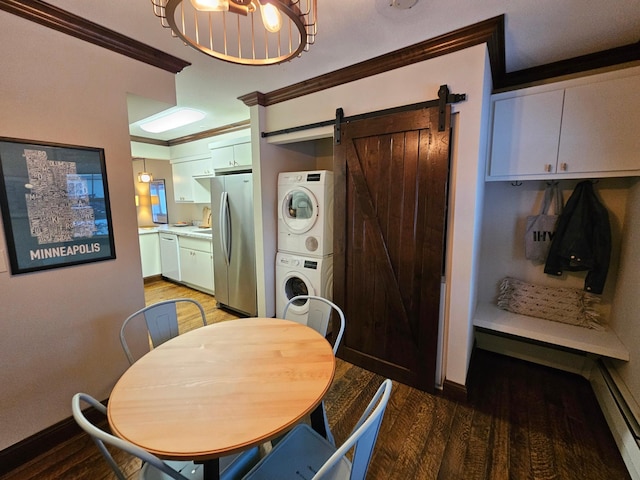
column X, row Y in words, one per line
column 305, row 212
column 301, row 275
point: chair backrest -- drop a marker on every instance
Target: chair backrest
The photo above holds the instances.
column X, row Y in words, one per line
column 363, row 437
column 318, row 315
column 162, row 322
column 100, row 437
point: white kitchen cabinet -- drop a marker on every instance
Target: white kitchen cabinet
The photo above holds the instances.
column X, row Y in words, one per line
column 187, row 187
column 580, row 129
column 235, row 155
column 222, row 157
column 196, row 263
column 242, row 153
column 202, row 167
column 150, row 254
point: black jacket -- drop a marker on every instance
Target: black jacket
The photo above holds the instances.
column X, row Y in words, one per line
column 583, row 239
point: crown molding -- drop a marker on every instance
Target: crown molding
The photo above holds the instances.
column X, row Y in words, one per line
column 489, row 31
column 70, row 24
column 572, row 66
column 232, row 127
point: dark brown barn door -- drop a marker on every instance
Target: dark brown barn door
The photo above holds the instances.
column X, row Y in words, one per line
column 391, row 175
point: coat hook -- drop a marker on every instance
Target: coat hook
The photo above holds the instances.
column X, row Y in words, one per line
column 516, row 183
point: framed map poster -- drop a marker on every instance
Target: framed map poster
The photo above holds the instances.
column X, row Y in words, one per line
column 55, row 205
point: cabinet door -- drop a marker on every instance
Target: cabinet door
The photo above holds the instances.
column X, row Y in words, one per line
column 222, row 157
column 202, row 168
column 196, row 268
column 526, row 132
column 242, row 154
column 600, row 127
column 150, row 254
column 182, row 182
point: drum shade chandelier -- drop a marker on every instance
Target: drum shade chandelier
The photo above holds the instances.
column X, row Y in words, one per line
column 246, row 32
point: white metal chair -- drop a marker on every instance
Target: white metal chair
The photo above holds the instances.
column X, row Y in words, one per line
column 304, row 454
column 318, row 315
column 319, row 311
column 153, row 468
column 162, row 322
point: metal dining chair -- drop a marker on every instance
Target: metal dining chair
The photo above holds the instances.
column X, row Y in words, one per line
column 162, row 322
column 153, row 468
column 303, row 453
column 318, row 316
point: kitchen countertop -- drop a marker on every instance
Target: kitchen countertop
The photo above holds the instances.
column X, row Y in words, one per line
column 188, row 231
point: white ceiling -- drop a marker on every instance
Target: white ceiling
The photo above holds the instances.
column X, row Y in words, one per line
column 536, row 32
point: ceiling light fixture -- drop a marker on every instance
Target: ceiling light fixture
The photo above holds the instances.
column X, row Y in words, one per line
column 144, row 176
column 170, row 119
column 247, row 32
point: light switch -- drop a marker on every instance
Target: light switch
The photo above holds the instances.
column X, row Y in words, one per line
column 3, row 262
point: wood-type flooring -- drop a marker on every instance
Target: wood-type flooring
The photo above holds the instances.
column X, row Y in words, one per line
column 522, row 422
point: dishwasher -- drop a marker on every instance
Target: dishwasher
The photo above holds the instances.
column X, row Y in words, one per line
column 170, row 256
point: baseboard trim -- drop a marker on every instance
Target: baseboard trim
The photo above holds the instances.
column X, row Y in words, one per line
column 152, row 279
column 627, row 445
column 38, row 444
column 454, row 391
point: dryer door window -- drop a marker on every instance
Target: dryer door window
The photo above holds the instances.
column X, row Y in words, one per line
column 295, row 285
column 299, row 210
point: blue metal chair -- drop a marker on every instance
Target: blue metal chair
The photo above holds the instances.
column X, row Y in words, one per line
column 304, row 454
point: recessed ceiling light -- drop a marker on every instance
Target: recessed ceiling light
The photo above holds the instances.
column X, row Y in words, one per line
column 171, row 119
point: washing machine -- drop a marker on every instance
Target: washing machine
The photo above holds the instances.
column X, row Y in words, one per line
column 305, row 213
column 301, row 275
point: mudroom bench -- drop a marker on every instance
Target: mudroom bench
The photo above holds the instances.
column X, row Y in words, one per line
column 597, row 342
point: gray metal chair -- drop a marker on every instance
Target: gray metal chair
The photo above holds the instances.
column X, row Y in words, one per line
column 302, row 453
column 153, row 468
column 319, row 311
column 162, row 322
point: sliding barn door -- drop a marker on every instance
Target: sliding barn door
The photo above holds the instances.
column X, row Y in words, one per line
column 391, row 175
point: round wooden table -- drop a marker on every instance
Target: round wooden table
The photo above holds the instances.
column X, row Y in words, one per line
column 221, row 389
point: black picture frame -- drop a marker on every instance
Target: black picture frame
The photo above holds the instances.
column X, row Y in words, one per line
column 55, row 205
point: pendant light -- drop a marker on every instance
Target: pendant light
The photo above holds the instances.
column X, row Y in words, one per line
column 246, row 32
column 144, row 176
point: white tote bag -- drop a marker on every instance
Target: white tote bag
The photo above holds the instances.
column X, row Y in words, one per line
column 541, row 228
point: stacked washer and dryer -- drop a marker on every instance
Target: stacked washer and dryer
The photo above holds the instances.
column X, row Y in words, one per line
column 304, row 263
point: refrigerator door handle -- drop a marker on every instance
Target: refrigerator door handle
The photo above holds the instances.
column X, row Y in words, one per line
column 224, row 226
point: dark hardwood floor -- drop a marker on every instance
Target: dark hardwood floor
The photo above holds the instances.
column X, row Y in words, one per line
column 522, row 422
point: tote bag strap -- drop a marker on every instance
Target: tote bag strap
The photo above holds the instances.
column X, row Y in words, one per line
column 552, row 194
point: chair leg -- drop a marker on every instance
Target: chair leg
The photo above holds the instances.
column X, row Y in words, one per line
column 320, row 424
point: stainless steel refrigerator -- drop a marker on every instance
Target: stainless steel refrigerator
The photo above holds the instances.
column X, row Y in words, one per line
column 234, row 263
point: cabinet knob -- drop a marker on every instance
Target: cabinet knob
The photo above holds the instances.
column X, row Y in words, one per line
column 547, row 167
column 563, row 167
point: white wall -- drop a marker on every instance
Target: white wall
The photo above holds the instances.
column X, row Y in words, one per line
column 59, row 328
column 464, row 72
column 625, row 319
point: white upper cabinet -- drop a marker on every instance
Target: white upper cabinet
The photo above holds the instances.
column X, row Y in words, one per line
column 222, row 157
column 242, row 153
column 526, row 134
column 182, row 182
column 230, row 154
column 202, row 168
column 190, row 180
column 601, row 126
column 588, row 129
